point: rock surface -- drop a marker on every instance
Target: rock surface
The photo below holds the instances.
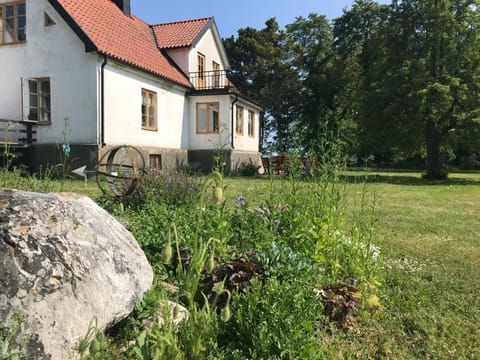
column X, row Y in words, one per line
column 63, row 262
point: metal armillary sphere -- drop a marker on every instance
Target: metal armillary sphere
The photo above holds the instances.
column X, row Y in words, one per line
column 119, row 170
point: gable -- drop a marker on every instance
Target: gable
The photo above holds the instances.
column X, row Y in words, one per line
column 188, row 34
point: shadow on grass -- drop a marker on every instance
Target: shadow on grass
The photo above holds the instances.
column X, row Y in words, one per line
column 403, row 179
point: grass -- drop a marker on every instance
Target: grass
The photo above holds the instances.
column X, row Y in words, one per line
column 428, row 235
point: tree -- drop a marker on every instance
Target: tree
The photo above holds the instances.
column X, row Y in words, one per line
column 358, row 46
column 423, row 86
column 261, row 69
column 313, row 58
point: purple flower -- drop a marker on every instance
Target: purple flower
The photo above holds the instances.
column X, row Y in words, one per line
column 240, row 201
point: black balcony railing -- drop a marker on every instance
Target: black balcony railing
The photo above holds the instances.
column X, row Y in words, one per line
column 210, row 80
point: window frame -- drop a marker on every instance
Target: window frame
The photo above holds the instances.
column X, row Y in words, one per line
column 39, row 95
column 239, row 125
column 201, row 69
column 251, row 123
column 214, row 129
column 146, row 115
column 216, row 74
column 155, row 162
column 16, row 27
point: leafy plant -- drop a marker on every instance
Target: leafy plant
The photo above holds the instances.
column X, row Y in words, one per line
column 341, row 302
column 94, row 345
column 9, row 349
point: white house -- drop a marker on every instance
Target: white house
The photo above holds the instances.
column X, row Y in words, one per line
column 91, row 74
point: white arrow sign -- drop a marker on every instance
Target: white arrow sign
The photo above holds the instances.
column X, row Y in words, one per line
column 81, row 171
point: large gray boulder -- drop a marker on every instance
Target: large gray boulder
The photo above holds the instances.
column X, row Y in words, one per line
column 63, row 262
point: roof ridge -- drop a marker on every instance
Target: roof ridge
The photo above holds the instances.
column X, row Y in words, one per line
column 181, row 21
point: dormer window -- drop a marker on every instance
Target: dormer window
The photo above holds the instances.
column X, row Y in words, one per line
column 13, row 21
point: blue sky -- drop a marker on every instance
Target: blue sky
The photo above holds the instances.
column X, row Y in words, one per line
column 233, row 15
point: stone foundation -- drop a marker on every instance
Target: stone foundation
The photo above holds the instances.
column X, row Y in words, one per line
column 46, row 156
column 233, row 160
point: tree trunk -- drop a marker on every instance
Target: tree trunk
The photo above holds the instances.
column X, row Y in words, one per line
column 433, row 137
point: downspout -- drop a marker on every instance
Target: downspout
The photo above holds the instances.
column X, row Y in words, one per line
column 102, row 101
column 232, row 125
column 261, row 132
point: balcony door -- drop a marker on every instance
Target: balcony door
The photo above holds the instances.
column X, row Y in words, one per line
column 216, row 74
column 201, row 71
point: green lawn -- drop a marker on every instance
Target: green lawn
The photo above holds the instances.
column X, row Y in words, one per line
column 429, row 235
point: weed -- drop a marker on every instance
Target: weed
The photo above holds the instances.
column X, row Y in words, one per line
column 9, row 348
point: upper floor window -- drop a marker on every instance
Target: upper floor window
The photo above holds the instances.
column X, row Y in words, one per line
column 201, row 70
column 207, row 118
column 216, row 74
column 251, row 123
column 149, row 110
column 239, row 122
column 37, row 100
column 13, row 21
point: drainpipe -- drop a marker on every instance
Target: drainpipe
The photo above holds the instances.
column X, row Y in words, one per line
column 102, row 101
column 233, row 117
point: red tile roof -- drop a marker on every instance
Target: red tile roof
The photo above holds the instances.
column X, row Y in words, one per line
column 105, row 28
column 178, row 34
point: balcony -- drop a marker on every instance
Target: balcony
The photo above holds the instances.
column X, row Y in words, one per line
column 211, row 80
column 17, row 133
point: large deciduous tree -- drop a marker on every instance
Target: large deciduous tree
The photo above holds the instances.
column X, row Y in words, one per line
column 313, row 58
column 423, row 85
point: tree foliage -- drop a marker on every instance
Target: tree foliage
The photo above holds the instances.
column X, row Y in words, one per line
column 261, row 69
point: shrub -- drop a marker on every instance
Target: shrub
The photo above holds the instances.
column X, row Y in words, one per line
column 247, row 169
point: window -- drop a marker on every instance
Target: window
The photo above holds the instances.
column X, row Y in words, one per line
column 251, row 123
column 47, row 21
column 37, row 100
column 149, row 110
column 201, row 71
column 239, row 121
column 216, row 74
column 207, row 118
column 13, row 21
column 155, row 163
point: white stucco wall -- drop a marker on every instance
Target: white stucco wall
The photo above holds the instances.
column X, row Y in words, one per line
column 245, row 142
column 57, row 53
column 211, row 141
column 208, row 47
column 123, row 115
column 181, row 58
column 200, row 141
